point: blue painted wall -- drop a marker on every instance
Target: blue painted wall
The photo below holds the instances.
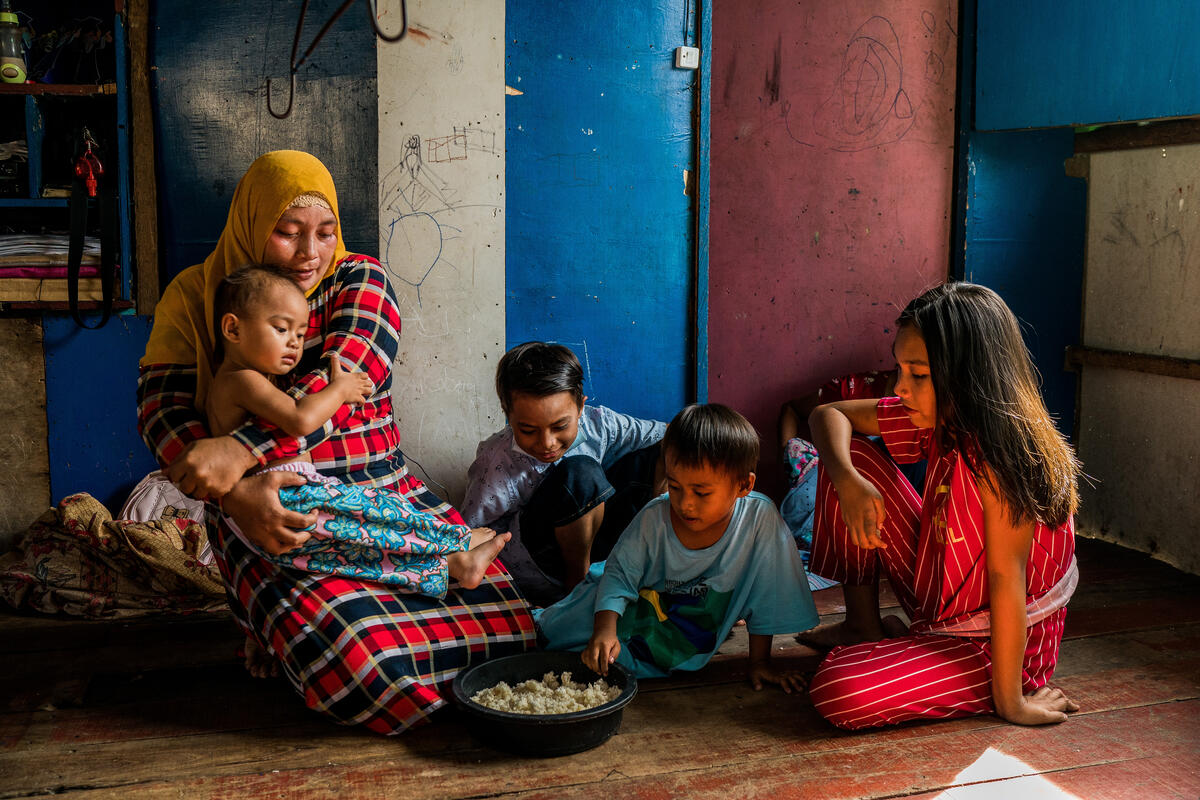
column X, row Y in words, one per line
column 598, row 227
column 1074, row 62
column 91, row 401
column 1025, row 236
column 211, row 61
column 1020, row 221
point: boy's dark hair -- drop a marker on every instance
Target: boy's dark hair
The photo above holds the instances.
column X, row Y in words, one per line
column 713, row 435
column 241, row 289
column 539, row 369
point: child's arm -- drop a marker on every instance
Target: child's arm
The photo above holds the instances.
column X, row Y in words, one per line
column 793, row 418
column 604, row 647
column 301, row 416
column 1006, row 546
column 761, row 671
column 832, row 426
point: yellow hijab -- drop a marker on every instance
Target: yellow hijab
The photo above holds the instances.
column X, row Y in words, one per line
column 183, row 325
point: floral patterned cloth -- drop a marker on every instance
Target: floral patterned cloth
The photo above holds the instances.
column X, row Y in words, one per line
column 368, row 533
column 76, row 559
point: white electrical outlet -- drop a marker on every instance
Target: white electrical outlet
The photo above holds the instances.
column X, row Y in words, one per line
column 687, row 57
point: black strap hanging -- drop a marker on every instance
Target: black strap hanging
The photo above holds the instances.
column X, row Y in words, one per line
column 84, row 188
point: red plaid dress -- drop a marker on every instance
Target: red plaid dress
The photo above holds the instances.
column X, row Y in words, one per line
column 357, row 651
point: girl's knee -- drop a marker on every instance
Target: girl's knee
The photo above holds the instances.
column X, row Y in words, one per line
column 842, row 694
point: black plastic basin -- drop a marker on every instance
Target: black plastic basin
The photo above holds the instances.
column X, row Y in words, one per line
column 541, row 734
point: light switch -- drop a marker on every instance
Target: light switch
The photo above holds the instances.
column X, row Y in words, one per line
column 687, row 57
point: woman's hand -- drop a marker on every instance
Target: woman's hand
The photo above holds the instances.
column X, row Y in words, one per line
column 1046, row 706
column 862, row 511
column 208, row 468
column 254, row 505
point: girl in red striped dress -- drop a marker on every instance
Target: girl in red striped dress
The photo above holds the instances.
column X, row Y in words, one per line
column 983, row 562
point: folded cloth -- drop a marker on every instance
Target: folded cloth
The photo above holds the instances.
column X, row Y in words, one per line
column 76, row 559
column 32, row 270
column 156, row 499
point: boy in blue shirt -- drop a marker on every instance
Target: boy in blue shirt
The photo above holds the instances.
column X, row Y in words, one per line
column 563, row 477
column 691, row 565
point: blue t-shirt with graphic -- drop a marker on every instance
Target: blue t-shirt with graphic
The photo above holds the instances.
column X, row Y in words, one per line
column 678, row 605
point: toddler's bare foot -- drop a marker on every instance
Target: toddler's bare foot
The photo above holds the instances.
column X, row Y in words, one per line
column 260, row 663
column 479, row 536
column 836, row 634
column 469, row 567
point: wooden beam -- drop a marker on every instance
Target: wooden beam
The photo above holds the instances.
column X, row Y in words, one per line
column 1171, row 367
column 1162, row 133
column 145, row 195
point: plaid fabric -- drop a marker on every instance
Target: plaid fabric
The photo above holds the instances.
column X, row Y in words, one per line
column 363, row 653
column 356, row 651
column 352, row 313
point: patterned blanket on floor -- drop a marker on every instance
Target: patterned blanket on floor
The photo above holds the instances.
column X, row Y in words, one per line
column 76, row 559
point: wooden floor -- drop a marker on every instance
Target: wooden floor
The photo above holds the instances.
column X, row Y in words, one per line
column 161, row 709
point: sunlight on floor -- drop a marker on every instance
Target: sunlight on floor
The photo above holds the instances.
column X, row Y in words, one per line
column 996, row 776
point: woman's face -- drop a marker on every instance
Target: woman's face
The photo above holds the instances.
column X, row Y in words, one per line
column 303, row 242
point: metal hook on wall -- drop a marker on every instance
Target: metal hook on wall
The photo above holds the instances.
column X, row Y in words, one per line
column 295, row 65
column 373, row 16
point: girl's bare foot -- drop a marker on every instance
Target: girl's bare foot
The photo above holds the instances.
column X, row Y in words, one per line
column 479, row 536
column 469, row 567
column 259, row 662
column 836, row 634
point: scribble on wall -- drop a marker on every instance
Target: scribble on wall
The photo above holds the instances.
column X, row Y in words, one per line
column 939, row 39
column 417, row 205
column 868, row 105
column 456, row 146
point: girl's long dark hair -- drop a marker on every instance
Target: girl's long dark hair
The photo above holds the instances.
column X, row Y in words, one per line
column 988, row 402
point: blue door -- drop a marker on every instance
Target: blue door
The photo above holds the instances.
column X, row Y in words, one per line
column 599, row 228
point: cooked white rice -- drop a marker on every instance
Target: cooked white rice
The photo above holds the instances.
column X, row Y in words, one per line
column 550, row 695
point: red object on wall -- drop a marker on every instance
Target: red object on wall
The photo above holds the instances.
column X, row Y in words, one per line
column 831, row 189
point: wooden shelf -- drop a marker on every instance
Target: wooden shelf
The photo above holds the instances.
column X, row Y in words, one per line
column 58, row 88
column 34, row 202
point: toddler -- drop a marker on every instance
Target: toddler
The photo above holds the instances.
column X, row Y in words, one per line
column 260, row 317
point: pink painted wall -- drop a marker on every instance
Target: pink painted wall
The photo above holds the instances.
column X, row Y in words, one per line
column 831, row 190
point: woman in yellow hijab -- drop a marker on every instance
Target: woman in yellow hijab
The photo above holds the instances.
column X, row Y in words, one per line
column 284, row 212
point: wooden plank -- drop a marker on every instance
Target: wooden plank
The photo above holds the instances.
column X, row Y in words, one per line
column 1079, row 356
column 1158, row 778
column 145, row 194
column 58, row 88
column 1158, row 133
column 153, row 724
column 30, row 633
column 678, row 731
column 24, row 452
column 867, row 767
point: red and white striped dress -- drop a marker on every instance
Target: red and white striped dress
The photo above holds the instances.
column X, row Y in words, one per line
column 936, row 564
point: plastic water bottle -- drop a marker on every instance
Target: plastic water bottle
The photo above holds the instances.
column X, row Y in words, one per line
column 12, row 53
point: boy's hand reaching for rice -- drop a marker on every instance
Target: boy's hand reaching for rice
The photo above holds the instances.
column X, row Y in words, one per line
column 604, row 647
